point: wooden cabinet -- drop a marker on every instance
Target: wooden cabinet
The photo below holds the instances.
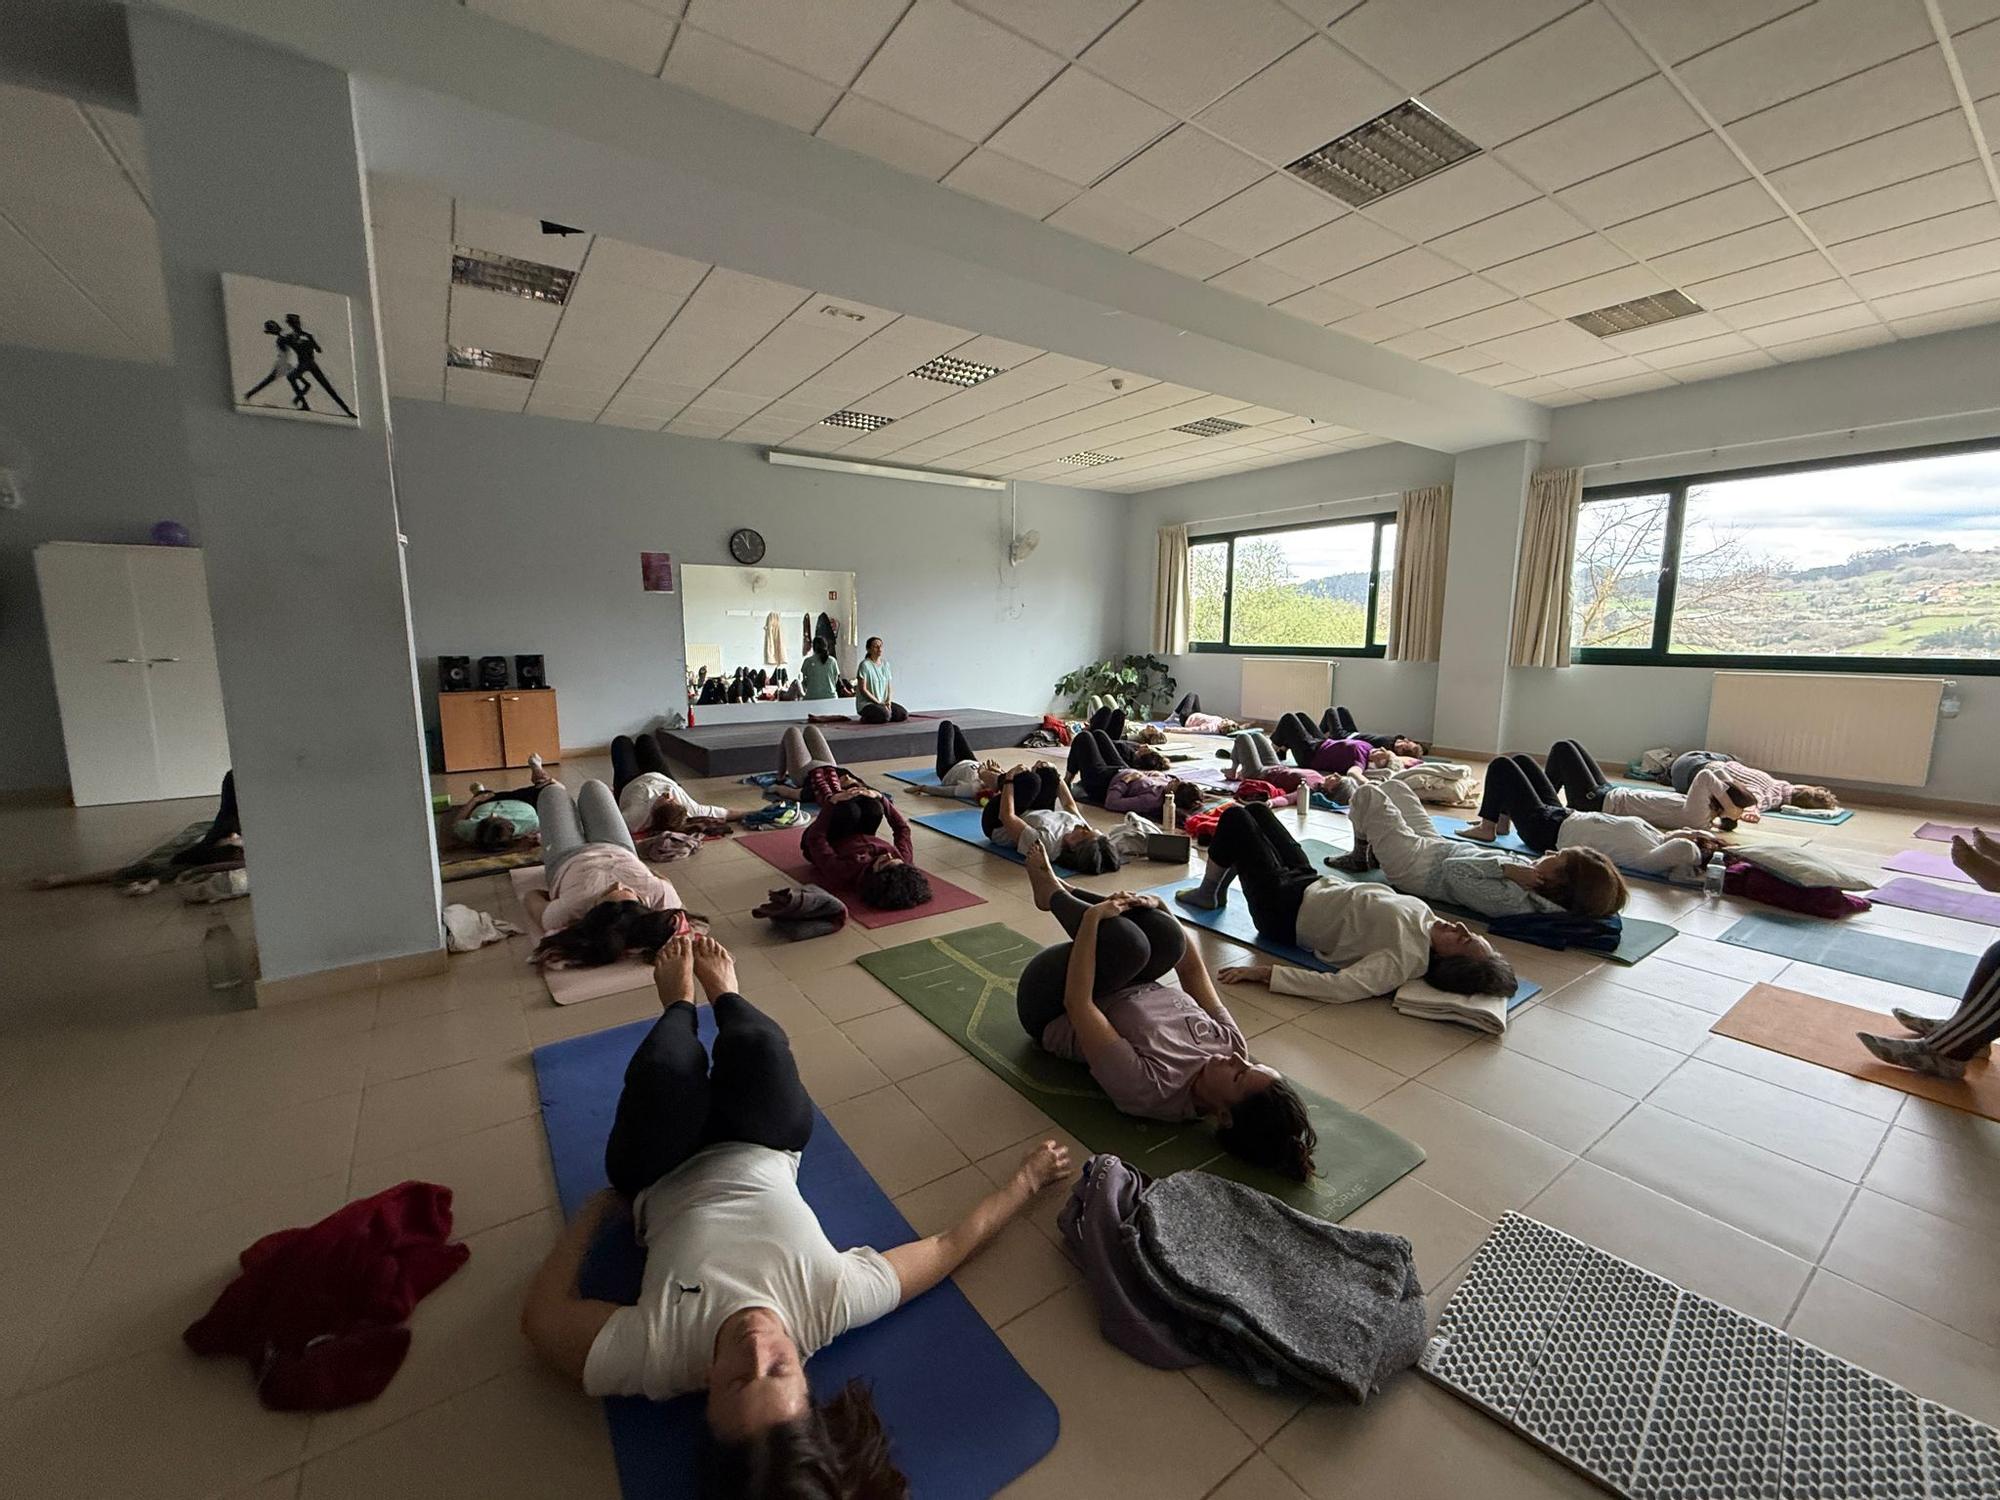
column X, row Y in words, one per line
column 485, row 730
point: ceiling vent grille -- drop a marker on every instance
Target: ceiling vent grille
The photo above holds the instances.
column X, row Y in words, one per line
column 494, row 272
column 863, row 421
column 1211, row 427
column 1087, row 459
column 1398, row 147
column 492, row 362
column 950, row 371
column 1640, row 312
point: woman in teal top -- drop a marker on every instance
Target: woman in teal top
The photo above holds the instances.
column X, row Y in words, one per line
column 872, row 686
column 820, row 673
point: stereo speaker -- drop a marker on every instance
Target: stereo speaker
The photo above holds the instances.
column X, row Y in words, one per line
column 529, row 672
column 492, row 671
column 454, row 674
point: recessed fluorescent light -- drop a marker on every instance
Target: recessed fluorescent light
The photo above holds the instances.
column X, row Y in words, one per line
column 950, row 371
column 495, row 272
column 865, row 421
column 1640, row 312
column 881, row 471
column 1400, row 146
column 492, row 362
column 1211, row 427
column 1087, row 459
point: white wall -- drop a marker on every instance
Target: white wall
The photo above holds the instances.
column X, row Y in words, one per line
column 525, row 534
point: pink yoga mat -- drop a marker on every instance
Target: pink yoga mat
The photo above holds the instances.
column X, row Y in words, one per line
column 1941, row 900
column 1924, row 862
column 1944, row 833
column 779, row 848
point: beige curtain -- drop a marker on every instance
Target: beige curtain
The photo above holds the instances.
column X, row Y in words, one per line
column 1548, row 557
column 1416, row 609
column 1170, row 593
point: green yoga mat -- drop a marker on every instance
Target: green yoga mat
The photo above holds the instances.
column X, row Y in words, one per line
column 1814, row 940
column 964, row 985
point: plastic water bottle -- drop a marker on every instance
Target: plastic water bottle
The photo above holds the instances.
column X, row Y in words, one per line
column 1712, row 877
column 222, row 957
column 1302, row 804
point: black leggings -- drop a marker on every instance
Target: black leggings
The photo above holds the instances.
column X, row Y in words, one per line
column 855, row 815
column 1094, row 758
column 1110, row 720
column 632, row 758
column 1298, row 734
column 1136, row 947
column 1190, row 704
column 1572, row 768
column 1337, row 724
column 675, row 1101
column 1036, row 789
column 1519, row 789
column 227, row 823
column 1273, row 870
column 951, row 747
column 875, row 713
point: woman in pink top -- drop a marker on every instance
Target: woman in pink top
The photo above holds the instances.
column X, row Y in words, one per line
column 602, row 900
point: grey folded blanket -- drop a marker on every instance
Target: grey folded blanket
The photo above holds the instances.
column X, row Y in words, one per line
column 804, row 911
column 1273, row 1293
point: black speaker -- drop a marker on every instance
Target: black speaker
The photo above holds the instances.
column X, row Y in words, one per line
column 492, row 671
column 454, row 674
column 529, row 673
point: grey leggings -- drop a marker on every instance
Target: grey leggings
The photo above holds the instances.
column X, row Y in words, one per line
column 1136, row 947
column 1252, row 752
column 801, row 750
column 570, row 823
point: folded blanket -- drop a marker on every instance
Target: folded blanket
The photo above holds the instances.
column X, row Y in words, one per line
column 1487, row 1013
column 1560, row 929
column 804, row 911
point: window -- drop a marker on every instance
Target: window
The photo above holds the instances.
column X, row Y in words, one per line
column 1308, row 590
column 1889, row 563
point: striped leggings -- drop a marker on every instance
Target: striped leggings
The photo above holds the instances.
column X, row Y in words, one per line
column 1976, row 1022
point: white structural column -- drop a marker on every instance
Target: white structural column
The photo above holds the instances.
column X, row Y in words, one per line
column 1489, row 492
column 256, row 169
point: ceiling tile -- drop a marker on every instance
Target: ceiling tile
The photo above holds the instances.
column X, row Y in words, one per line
column 1346, row 244
column 1558, row 265
column 1419, row 345
column 1626, row 385
column 1454, row 299
column 1944, row 319
column 830, row 42
column 1963, row 15
column 1897, row 93
column 1451, row 199
column 1096, row 215
column 956, row 70
column 1979, row 56
column 113, row 256
column 399, row 208
column 1068, row 26
column 1549, row 350
column 1900, row 203
column 1186, row 255
column 1732, row 252
column 1176, row 178
column 1373, row 327
column 485, row 389
column 986, row 349
column 1912, row 151
column 1079, row 128
column 630, row 35
column 1785, row 275
column 1674, row 175
column 1567, row 64
column 1316, row 305
column 1605, row 290
column 1508, row 236
column 1257, row 281
column 1183, row 55
column 1648, row 116
column 1420, row 42
column 1493, row 323
column 1401, row 275
column 615, row 260
column 68, row 164
column 1687, row 27
column 515, row 234
column 1709, row 217
column 1803, row 50
column 722, row 70
column 127, row 141
column 1646, row 342
column 1966, row 226
column 1814, row 325
column 1496, row 374
column 1862, row 337
column 1779, row 307
column 1931, row 270
column 1458, row 361
column 878, row 131
column 1002, row 180
column 1306, row 98
column 1265, row 214
column 494, row 320
column 1698, row 351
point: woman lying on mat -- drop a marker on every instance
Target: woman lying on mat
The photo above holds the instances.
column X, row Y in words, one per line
column 1190, row 704
column 1252, row 757
column 494, row 821
column 1108, row 720
column 802, row 752
column 1380, row 937
column 1332, row 756
column 1159, row 1050
column 1339, row 723
column 1698, row 805
column 741, row 1284
column 844, row 848
column 1392, row 833
column 1095, row 757
column 1753, row 792
column 959, row 775
column 1034, row 806
column 1520, row 793
column 649, row 797
column 602, row 902
column 875, row 702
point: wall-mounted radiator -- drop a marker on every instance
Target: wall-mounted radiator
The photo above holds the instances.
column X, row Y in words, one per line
column 1847, row 728
column 1276, row 685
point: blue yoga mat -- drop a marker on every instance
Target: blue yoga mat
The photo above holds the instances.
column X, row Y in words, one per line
column 964, row 1417
column 1831, row 819
column 1814, row 940
column 921, row 776
column 962, row 823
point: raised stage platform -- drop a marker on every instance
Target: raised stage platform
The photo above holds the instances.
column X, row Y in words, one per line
column 740, row 749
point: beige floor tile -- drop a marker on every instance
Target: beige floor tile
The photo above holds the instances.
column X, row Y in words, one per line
column 325, row 1017
column 1956, row 1177
column 210, row 1162
column 832, row 1067
column 524, row 1435
column 483, row 1029
column 283, row 1486
column 798, row 962
column 1695, row 952
column 1258, row 1479
column 973, row 1107
column 1126, row 1428
column 1651, row 1230
column 1601, row 1054
column 548, row 1022
column 847, row 992
column 1820, row 1135
column 902, row 1043
column 47, row 1124
column 1683, row 985
column 900, row 1148
column 1803, row 1077
column 406, row 1113
column 1561, row 1108
column 1258, row 1411
column 1930, row 1118
column 1681, row 1028
column 1470, row 1156
column 1382, row 1034
column 1015, row 1272
column 64, row 1210
column 32, row 1296
column 495, row 1175
column 1935, row 1361
column 1441, row 1232
column 1942, row 1269
column 1344, row 1076
column 1793, row 1206
column 235, row 1080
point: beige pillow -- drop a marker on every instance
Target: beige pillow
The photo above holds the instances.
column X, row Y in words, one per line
column 1802, row 867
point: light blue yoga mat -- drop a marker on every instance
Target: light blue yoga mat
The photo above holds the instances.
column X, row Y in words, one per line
column 1832, row 818
column 1814, row 940
column 921, row 776
column 962, row 823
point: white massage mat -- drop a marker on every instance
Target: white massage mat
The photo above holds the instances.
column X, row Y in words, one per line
column 569, row 986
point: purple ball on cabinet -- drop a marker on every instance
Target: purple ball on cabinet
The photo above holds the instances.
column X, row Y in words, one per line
column 169, row 534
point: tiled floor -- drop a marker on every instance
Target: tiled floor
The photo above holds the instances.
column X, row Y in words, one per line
column 146, row 1135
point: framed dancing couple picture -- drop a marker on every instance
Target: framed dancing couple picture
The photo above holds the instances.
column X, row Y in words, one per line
column 291, row 350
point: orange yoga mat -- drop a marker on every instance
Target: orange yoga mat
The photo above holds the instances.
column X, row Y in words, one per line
column 1822, row 1031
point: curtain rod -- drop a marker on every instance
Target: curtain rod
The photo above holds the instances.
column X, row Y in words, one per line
column 1852, row 433
column 1290, row 510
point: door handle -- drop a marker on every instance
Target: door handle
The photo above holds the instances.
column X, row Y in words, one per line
column 513, row 697
column 125, row 661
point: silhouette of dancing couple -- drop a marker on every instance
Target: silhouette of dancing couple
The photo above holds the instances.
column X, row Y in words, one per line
column 297, row 365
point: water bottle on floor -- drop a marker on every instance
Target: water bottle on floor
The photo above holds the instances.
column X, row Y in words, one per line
column 1712, row 878
column 222, row 956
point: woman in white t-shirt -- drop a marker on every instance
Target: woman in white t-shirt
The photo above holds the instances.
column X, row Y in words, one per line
column 741, row 1284
column 1034, row 806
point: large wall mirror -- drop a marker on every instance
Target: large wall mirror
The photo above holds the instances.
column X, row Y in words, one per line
column 758, row 622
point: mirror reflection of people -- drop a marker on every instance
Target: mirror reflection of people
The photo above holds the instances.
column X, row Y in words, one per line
column 741, row 1285
column 819, row 673
column 874, row 689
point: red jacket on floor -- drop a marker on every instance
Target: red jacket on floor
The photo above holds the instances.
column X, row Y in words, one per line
column 318, row 1311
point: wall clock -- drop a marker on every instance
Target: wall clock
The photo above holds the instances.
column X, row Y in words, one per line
column 746, row 546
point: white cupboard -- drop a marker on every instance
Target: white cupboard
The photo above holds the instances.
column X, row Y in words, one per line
column 134, row 660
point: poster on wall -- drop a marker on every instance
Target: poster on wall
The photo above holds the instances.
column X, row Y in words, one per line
column 291, row 350
column 656, row 571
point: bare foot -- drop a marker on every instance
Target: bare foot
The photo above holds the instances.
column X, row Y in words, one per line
column 673, row 972
column 1042, row 876
column 1983, row 868
column 713, row 966
column 1985, row 843
column 1482, row 832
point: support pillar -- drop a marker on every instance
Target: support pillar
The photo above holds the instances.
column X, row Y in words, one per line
column 1489, row 495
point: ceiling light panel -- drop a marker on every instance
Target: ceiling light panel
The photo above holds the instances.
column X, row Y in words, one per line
column 494, row 272
column 861, row 421
column 1402, row 145
column 460, row 357
column 1211, row 427
column 1640, row 312
column 1086, row 459
column 948, row 370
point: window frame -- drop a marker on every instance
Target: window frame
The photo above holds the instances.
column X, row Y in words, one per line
column 1658, row 654
column 1372, row 647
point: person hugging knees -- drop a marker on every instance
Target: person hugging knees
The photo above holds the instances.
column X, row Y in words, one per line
column 845, row 850
column 1034, row 806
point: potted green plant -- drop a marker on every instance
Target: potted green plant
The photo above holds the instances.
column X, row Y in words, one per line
column 1142, row 685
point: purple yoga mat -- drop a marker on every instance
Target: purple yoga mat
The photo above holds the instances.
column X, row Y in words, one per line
column 1924, row 862
column 1944, row 833
column 1943, row 900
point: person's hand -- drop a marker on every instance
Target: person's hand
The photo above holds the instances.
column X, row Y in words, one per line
column 1245, row 974
column 1043, row 765
column 1045, row 1165
column 1147, row 901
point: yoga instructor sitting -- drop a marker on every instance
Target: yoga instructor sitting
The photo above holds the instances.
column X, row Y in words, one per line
column 741, row 1284
column 875, row 689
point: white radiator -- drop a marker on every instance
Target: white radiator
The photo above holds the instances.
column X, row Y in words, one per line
column 1277, row 685
column 1850, row 728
